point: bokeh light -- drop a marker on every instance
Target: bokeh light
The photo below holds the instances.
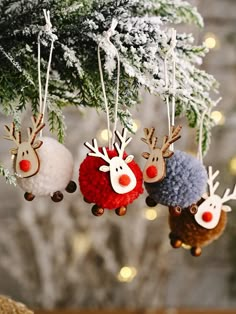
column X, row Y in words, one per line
column 127, row 274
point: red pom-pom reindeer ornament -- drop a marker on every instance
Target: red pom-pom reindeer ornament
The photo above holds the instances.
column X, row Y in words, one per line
column 109, row 177
column 203, row 222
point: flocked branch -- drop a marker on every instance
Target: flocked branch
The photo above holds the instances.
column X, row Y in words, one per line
column 142, row 38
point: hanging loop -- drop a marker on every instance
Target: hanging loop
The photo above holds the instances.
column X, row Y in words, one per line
column 171, row 53
column 103, row 42
column 47, row 29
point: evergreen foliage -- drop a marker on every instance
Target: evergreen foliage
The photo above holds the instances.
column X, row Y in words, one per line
column 142, row 37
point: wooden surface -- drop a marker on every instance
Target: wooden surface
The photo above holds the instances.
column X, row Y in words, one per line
column 167, row 311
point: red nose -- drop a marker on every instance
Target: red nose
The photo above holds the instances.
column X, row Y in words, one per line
column 25, row 165
column 151, row 171
column 207, row 216
column 124, row 180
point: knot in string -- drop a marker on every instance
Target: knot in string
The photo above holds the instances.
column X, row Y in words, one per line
column 48, row 25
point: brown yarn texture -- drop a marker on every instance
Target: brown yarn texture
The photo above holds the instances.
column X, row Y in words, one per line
column 189, row 232
column 8, row 306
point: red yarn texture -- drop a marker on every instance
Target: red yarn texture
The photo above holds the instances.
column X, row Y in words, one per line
column 96, row 187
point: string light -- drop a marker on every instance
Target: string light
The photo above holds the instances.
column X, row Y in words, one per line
column 127, row 274
column 232, row 165
column 136, row 125
column 218, row 117
column 150, row 213
column 103, row 135
column 211, row 41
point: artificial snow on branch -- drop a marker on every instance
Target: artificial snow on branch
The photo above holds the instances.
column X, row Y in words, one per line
column 142, row 38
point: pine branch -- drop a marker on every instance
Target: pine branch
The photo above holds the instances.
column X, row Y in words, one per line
column 11, row 179
column 142, row 38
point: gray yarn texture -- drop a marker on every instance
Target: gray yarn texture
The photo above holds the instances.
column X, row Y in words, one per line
column 184, row 184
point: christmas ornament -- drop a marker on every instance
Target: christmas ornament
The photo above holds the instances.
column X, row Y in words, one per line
column 200, row 224
column 182, row 180
column 8, row 306
column 109, row 177
column 155, row 168
column 43, row 166
column 184, row 184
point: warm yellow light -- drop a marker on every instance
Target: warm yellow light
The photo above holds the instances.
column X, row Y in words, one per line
column 136, row 125
column 218, row 117
column 127, row 274
column 103, row 135
column 232, row 165
column 211, row 41
column 150, row 214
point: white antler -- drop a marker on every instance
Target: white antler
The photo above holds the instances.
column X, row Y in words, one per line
column 228, row 197
column 37, row 127
column 123, row 142
column 96, row 152
column 12, row 134
column 211, row 178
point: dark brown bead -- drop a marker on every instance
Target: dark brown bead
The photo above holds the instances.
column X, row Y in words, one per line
column 175, row 211
column 57, row 197
column 196, row 251
column 97, row 211
column 175, row 243
column 193, row 209
column 71, row 187
column 121, row 211
column 150, row 202
column 86, row 201
column 29, row 196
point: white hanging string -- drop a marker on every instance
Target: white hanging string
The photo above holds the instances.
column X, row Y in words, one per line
column 171, row 52
column 200, row 155
column 106, row 37
column 48, row 29
column 104, row 96
column 207, row 111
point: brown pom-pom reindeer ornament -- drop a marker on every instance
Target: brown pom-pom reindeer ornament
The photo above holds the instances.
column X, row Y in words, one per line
column 42, row 165
column 203, row 222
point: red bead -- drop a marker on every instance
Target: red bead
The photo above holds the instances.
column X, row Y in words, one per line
column 151, row 171
column 207, row 216
column 25, row 165
column 124, row 180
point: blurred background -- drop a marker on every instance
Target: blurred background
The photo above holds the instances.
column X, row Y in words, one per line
column 60, row 255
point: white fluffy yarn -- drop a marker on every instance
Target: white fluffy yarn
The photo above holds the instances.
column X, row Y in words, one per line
column 56, row 168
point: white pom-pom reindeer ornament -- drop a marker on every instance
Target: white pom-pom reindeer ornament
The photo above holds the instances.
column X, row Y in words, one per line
column 43, row 166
